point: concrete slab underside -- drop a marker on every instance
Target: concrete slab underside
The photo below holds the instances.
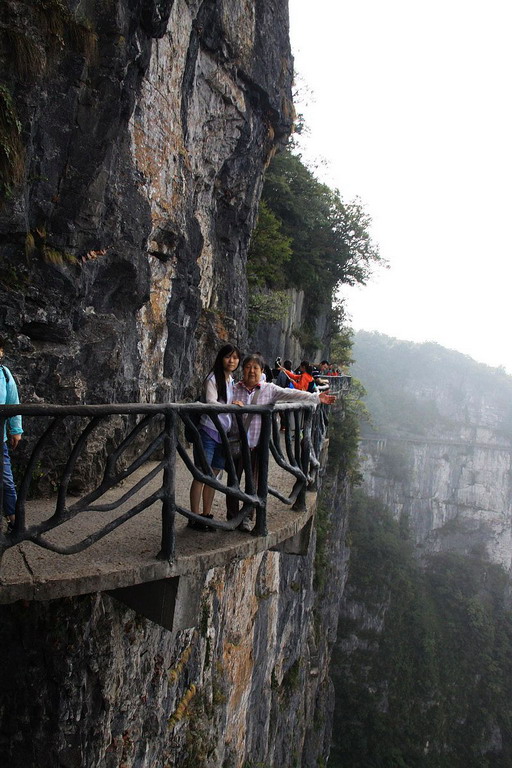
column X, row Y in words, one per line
column 128, row 555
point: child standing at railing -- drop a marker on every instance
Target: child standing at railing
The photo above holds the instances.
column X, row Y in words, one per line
column 218, row 388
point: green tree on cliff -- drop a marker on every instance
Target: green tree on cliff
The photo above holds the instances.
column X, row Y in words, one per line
column 270, row 251
column 329, row 239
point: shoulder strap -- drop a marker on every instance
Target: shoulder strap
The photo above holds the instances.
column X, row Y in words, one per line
column 6, row 375
column 249, row 416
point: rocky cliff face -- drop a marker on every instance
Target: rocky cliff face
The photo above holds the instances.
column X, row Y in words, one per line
column 287, row 339
column 141, row 133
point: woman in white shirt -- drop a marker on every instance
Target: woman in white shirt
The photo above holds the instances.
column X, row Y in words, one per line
column 218, row 388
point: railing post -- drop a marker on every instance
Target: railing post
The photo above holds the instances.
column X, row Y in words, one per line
column 300, row 503
column 260, row 528
column 169, row 489
column 316, row 441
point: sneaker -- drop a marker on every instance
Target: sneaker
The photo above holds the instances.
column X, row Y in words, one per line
column 245, row 526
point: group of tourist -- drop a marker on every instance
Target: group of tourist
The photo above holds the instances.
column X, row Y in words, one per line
column 252, row 389
column 219, row 386
column 308, row 376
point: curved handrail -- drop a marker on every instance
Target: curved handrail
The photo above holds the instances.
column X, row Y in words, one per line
column 302, row 427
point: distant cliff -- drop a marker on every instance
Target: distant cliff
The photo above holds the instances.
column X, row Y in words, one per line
column 422, row 663
column 455, row 497
column 439, row 453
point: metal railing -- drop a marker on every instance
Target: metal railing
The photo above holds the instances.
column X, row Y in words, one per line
column 292, row 434
column 337, row 384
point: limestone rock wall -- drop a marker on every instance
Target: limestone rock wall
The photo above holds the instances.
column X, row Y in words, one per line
column 144, row 130
column 278, row 339
column 286, row 338
column 141, row 130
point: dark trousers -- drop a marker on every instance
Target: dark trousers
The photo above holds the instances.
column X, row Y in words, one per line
column 232, row 504
column 9, row 487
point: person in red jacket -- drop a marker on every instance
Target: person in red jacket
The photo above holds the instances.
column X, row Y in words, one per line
column 303, row 379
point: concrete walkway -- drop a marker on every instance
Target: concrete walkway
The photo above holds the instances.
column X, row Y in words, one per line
column 127, row 556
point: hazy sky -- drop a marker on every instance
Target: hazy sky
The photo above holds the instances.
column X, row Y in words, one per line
column 410, row 107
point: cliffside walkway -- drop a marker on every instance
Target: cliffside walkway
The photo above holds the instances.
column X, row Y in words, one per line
column 128, row 555
column 131, row 528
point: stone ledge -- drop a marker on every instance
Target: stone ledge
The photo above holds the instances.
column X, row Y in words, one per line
column 127, row 556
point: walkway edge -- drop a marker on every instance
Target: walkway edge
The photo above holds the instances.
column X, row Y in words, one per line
column 153, row 570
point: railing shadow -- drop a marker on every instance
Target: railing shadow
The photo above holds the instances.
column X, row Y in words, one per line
column 292, row 434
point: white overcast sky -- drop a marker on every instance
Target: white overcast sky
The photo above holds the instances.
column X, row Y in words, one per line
column 410, row 107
